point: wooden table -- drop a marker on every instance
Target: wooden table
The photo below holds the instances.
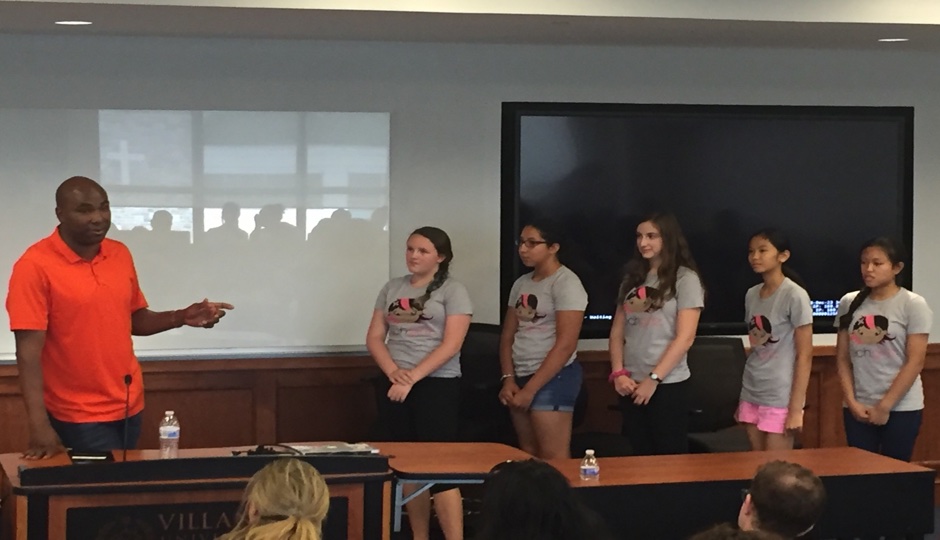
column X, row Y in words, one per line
column 676, row 496
column 441, row 463
column 196, row 496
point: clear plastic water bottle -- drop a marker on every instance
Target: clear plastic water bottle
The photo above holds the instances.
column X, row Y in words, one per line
column 169, row 436
column 590, row 470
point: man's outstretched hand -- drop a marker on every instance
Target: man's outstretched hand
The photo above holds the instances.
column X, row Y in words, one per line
column 205, row 314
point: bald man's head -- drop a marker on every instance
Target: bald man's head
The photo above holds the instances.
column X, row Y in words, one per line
column 80, row 184
column 84, row 212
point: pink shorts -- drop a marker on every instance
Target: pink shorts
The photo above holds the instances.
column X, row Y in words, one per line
column 767, row 419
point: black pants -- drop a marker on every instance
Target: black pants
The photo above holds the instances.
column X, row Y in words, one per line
column 428, row 414
column 662, row 425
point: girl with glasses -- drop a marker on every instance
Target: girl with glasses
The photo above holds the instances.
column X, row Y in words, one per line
column 541, row 377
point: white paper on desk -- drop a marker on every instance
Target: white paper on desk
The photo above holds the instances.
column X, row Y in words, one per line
column 336, row 448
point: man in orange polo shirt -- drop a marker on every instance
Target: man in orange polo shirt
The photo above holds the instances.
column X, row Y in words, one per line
column 74, row 303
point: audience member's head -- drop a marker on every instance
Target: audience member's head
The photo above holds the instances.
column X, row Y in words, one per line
column 161, row 221
column 341, row 214
column 726, row 531
column 230, row 213
column 784, row 498
column 270, row 214
column 531, row 499
column 379, row 217
column 287, row 499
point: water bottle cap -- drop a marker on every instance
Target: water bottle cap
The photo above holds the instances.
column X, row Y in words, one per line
column 589, row 452
column 170, row 413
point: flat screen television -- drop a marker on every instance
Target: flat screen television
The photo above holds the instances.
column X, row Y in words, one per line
column 828, row 177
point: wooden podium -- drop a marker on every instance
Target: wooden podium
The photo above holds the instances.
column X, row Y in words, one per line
column 194, row 497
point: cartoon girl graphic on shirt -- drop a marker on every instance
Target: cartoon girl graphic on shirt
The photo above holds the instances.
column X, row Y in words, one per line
column 526, row 308
column 406, row 310
column 870, row 330
column 640, row 299
column 760, row 331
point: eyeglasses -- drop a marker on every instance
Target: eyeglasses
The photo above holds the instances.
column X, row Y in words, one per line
column 744, row 493
column 530, row 243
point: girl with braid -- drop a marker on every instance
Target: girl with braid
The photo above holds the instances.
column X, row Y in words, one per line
column 417, row 329
column 880, row 351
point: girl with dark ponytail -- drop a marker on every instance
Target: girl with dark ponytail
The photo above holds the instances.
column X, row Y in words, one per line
column 780, row 329
column 880, row 351
column 417, row 329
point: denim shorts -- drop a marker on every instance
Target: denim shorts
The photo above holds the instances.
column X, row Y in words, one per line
column 558, row 394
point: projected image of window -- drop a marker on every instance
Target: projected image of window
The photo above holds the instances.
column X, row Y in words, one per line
column 146, row 149
column 128, row 221
column 283, row 214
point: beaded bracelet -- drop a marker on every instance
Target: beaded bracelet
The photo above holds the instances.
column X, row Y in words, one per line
column 613, row 375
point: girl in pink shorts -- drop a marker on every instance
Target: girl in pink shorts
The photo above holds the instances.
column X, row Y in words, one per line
column 780, row 330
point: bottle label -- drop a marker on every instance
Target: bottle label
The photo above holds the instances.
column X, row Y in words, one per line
column 590, row 471
column 169, row 432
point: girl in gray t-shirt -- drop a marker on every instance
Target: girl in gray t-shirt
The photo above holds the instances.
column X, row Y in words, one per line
column 418, row 326
column 541, row 378
column 780, row 330
column 880, row 352
column 659, row 302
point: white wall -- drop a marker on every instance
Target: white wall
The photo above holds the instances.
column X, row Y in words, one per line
column 445, row 105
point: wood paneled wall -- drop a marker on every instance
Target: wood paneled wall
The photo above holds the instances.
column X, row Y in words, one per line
column 252, row 401
column 236, row 402
column 822, row 421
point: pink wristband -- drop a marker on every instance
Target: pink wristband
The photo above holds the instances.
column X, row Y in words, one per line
column 613, row 375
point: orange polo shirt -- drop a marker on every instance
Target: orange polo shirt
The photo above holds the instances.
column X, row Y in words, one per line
column 85, row 309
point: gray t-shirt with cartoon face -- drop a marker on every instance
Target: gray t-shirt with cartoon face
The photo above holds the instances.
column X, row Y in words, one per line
column 535, row 303
column 649, row 331
column 878, row 344
column 414, row 330
column 768, row 373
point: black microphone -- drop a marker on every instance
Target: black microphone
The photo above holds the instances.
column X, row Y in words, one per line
column 127, row 410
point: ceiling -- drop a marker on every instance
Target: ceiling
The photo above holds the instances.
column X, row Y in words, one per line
column 28, row 17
